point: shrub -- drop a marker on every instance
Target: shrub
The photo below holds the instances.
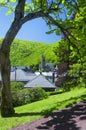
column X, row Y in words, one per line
column 19, row 97
column 75, row 82
column 23, row 96
column 15, row 100
column 17, row 85
column 37, row 93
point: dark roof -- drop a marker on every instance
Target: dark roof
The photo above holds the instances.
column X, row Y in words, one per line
column 41, row 81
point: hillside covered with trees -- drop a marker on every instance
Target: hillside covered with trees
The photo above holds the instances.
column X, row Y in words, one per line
column 28, row 53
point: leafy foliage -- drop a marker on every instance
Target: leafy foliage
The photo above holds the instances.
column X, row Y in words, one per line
column 20, row 97
column 78, row 55
column 17, row 86
column 29, row 53
column 37, row 110
column 37, row 93
column 25, row 53
column 57, row 15
column 24, row 96
column 72, row 49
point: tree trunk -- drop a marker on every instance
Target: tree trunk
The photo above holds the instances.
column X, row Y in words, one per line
column 19, row 19
column 6, row 100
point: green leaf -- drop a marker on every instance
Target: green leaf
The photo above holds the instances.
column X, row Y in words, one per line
column 51, row 31
column 58, row 32
column 13, row 0
column 9, row 12
column 63, row 1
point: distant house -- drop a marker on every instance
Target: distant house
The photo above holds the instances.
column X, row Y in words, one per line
column 51, row 76
column 49, row 67
column 30, row 79
column 46, row 66
column 41, row 81
column 21, row 75
column 25, row 68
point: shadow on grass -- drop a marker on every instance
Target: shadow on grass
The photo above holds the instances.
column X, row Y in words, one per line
column 67, row 103
column 46, row 112
column 66, row 118
column 42, row 113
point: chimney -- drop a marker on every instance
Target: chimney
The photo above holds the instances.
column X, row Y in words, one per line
column 53, row 77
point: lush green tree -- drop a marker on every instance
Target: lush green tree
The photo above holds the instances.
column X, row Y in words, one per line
column 23, row 12
column 72, row 48
column 78, row 54
column 52, row 11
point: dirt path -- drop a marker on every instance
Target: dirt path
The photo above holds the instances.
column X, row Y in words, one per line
column 72, row 118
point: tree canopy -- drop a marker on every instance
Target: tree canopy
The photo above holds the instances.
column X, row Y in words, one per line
column 66, row 18
column 72, row 48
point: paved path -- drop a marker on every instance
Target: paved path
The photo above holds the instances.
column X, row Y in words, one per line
column 72, row 118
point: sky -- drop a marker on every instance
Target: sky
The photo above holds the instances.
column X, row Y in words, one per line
column 34, row 30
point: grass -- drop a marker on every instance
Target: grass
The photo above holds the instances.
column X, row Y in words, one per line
column 38, row 109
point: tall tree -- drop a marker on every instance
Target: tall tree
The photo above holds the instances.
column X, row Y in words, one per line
column 73, row 32
column 25, row 11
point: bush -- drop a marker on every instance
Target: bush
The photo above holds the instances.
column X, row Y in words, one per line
column 19, row 97
column 17, row 85
column 15, row 99
column 75, row 82
column 37, row 93
column 24, row 96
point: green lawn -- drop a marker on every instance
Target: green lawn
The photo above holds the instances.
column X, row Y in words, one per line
column 38, row 109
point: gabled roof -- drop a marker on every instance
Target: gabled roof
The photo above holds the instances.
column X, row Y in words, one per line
column 20, row 75
column 41, row 81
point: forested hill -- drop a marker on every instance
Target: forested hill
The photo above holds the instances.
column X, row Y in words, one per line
column 28, row 53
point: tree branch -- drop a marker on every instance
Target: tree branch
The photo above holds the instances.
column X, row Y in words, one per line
column 19, row 10
column 15, row 26
column 31, row 16
column 64, row 31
